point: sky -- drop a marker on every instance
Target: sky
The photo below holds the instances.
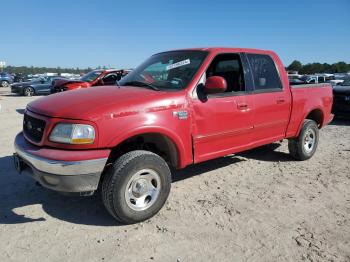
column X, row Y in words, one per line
column 122, row 34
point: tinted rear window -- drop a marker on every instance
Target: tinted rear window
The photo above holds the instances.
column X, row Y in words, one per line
column 264, row 72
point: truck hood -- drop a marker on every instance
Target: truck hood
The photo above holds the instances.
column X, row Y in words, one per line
column 92, row 103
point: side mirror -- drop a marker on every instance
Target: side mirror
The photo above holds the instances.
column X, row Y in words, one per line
column 215, row 84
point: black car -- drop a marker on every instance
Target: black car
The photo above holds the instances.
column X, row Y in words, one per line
column 341, row 99
column 38, row 86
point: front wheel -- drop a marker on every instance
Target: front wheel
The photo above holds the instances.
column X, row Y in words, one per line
column 304, row 146
column 28, row 91
column 136, row 187
column 4, row 84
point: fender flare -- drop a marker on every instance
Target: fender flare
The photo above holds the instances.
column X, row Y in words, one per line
column 171, row 135
column 306, row 114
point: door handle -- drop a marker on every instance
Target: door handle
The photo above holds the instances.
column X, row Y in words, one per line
column 242, row 106
column 280, row 100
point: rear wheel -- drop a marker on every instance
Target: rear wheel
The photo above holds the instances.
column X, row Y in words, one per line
column 304, row 146
column 136, row 187
column 28, row 91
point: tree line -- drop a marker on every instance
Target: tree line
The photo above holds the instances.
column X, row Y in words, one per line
column 312, row 68
column 32, row 70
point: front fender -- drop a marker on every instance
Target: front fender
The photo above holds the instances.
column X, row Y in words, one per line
column 184, row 158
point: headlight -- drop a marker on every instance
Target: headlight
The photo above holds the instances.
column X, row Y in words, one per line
column 73, row 134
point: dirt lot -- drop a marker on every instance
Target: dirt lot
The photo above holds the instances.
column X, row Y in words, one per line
column 259, row 205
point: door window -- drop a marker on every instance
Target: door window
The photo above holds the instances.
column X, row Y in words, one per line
column 229, row 67
column 264, row 72
column 321, row 79
column 110, row 79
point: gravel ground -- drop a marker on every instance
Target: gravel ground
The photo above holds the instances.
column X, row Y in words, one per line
column 259, row 205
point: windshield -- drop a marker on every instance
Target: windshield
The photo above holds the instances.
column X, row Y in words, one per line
column 91, row 76
column 346, row 82
column 169, row 70
column 37, row 80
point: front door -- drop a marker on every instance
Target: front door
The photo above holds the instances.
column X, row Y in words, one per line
column 222, row 122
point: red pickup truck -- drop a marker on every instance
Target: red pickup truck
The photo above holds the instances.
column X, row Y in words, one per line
column 93, row 78
column 176, row 109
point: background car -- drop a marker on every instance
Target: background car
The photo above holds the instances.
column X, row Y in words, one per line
column 93, row 78
column 38, row 86
column 341, row 99
column 5, row 79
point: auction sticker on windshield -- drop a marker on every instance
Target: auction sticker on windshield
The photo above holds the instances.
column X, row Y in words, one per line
column 178, row 64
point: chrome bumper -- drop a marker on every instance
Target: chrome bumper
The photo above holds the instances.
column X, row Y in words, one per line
column 63, row 168
column 64, row 176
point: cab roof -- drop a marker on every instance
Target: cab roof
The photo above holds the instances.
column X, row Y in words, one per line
column 225, row 49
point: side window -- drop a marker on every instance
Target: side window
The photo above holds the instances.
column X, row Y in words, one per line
column 110, row 78
column 321, row 79
column 228, row 66
column 264, row 72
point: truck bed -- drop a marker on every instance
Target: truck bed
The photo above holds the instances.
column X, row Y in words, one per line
column 311, row 85
column 308, row 98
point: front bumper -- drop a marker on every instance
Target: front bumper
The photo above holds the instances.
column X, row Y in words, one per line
column 73, row 176
column 16, row 90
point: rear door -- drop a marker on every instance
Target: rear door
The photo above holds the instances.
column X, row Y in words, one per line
column 272, row 100
column 222, row 122
column 44, row 87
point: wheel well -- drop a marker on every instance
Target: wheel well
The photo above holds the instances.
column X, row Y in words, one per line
column 317, row 116
column 153, row 142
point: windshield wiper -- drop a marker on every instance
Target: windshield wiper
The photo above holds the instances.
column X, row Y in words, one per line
column 142, row 84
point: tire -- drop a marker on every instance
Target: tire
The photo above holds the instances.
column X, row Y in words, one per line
column 304, row 146
column 28, row 91
column 136, row 187
column 4, row 84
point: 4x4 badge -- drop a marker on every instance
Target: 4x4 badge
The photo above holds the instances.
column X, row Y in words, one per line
column 182, row 115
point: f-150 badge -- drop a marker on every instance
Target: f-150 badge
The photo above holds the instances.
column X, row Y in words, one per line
column 182, row 115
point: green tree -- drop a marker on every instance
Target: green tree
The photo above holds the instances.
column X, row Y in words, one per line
column 295, row 66
column 341, row 67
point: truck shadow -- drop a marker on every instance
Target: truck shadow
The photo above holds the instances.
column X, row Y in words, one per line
column 20, row 111
column 18, row 191
column 195, row 170
column 339, row 121
column 267, row 153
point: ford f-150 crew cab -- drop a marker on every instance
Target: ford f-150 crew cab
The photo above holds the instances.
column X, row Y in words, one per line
column 176, row 109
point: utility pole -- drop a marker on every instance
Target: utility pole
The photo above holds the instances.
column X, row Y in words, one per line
column 2, row 65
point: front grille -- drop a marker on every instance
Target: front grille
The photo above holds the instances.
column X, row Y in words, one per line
column 33, row 128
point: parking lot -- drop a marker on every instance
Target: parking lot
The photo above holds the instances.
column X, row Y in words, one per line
column 257, row 205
